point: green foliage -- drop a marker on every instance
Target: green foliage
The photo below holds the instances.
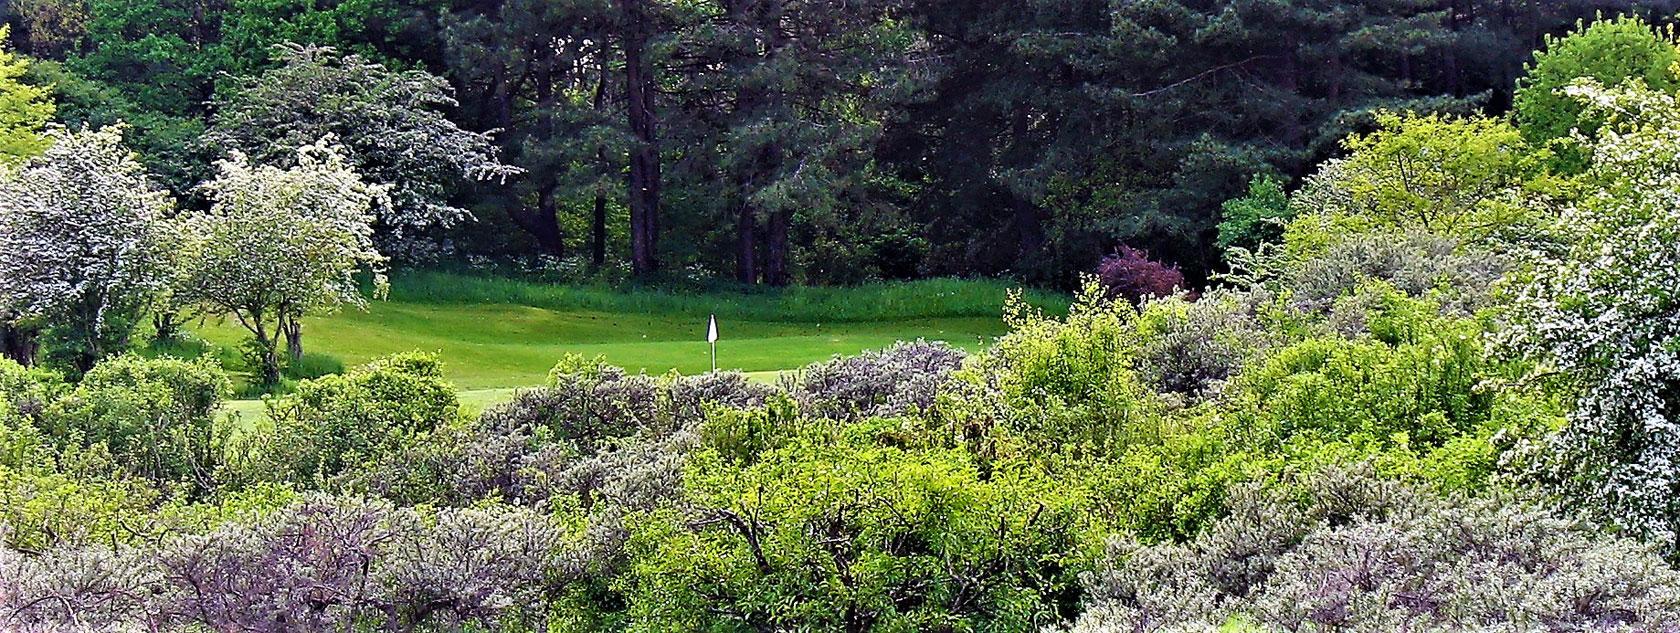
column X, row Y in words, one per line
column 1419, row 394
column 155, row 416
column 1257, row 217
column 25, row 392
column 835, row 530
column 1610, row 52
column 1063, row 383
column 1108, row 395
column 331, row 424
column 24, row 108
column 1474, row 178
column 167, row 143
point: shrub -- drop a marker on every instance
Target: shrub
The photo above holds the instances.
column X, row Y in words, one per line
column 900, row 380
column 835, row 532
column 595, row 426
column 1130, row 274
column 1605, row 320
column 1363, row 554
column 1610, row 52
column 1255, row 218
column 1058, row 385
column 323, row 563
column 156, row 416
column 1191, row 348
column 1418, row 392
column 97, row 588
column 1419, row 264
column 25, row 392
column 331, row 424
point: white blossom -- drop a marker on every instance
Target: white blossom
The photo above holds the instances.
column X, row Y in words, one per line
column 277, row 243
column 1608, row 316
column 84, row 236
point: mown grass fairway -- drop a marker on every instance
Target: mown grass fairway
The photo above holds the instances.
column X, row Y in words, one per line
column 502, row 346
column 495, row 335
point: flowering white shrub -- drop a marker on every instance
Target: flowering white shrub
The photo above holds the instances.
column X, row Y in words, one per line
column 85, row 240
column 1608, row 317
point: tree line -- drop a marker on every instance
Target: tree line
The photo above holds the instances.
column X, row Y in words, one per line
column 786, row 141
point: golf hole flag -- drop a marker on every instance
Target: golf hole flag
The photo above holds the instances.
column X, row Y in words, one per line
column 711, row 339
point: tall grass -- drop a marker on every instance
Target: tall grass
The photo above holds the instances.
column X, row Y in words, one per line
column 929, row 298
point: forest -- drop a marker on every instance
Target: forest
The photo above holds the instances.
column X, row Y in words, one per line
column 1246, row 316
column 787, row 142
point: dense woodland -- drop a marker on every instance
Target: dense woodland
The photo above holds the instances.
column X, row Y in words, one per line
column 784, row 142
column 1431, row 381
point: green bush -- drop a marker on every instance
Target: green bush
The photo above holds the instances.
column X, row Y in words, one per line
column 1420, row 394
column 1255, row 218
column 1064, row 383
column 1610, row 52
column 25, row 392
column 834, row 531
column 156, row 416
column 330, row 424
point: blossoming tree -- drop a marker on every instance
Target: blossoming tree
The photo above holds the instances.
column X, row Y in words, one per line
column 278, row 244
column 85, row 243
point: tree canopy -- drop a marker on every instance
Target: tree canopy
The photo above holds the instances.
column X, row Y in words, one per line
column 819, row 142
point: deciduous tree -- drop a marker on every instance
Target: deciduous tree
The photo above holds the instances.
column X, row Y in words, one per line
column 278, row 244
column 1606, row 316
column 24, row 108
column 85, row 243
column 391, row 125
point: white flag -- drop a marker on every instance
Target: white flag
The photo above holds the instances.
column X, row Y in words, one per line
column 711, row 330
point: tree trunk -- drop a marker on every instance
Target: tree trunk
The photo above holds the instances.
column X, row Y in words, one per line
column 598, row 233
column 776, row 249
column 18, row 343
column 268, row 356
column 1027, row 222
column 542, row 224
column 294, row 339
column 166, row 324
column 598, row 221
column 270, row 359
column 746, row 243
column 644, row 155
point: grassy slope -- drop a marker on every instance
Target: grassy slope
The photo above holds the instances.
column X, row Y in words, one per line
column 488, row 346
column 496, row 334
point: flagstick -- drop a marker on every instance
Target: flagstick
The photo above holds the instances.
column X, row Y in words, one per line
column 711, row 339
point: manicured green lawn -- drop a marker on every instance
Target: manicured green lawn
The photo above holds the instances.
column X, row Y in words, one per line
column 505, row 346
column 496, row 335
